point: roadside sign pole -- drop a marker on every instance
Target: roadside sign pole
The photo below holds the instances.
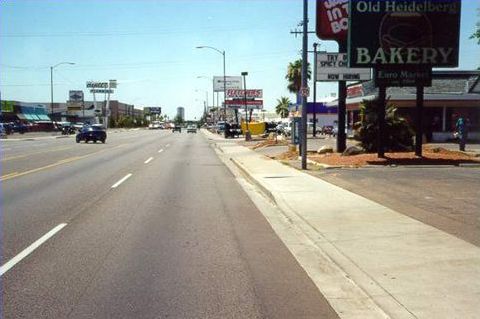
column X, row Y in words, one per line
column 382, row 93
column 315, row 89
column 419, row 133
column 342, row 106
column 303, row 126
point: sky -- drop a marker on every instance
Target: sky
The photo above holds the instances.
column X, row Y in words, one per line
column 149, row 47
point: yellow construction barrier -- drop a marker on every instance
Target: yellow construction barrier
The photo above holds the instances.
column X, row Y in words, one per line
column 255, row 128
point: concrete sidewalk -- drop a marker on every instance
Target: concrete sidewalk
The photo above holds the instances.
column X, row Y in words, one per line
column 380, row 263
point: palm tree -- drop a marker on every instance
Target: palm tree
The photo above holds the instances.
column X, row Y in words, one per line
column 282, row 106
column 294, row 75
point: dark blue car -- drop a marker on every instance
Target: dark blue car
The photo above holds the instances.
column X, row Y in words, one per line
column 91, row 133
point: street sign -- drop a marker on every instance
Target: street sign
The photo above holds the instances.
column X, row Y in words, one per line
column 403, row 77
column 407, row 33
column 334, row 67
column 232, row 82
column 305, row 92
column 75, row 96
column 251, row 94
column 110, row 91
column 95, row 85
column 332, row 20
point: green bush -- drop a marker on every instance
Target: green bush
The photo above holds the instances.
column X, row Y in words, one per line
column 398, row 132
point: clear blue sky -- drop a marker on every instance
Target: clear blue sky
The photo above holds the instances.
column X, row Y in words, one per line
column 149, row 47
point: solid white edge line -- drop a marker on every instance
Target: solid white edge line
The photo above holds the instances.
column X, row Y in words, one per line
column 160, row 150
column 121, row 181
column 148, row 160
column 27, row 251
column 168, row 145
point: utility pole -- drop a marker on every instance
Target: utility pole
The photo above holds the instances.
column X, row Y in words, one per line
column 248, row 137
column 303, row 125
column 315, row 89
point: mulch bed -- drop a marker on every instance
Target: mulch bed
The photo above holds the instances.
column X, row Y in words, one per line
column 431, row 156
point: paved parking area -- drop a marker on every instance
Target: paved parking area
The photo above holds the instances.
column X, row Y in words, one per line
column 445, row 198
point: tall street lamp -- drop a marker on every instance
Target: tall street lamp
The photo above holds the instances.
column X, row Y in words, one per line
column 248, row 137
column 51, row 82
column 224, row 79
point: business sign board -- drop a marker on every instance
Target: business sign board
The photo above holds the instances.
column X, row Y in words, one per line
column 74, row 106
column 251, row 104
column 113, row 84
column 251, row 94
column 334, row 67
column 75, row 96
column 96, row 85
column 332, row 20
column 408, row 33
column 232, row 82
column 403, row 77
column 152, row 110
column 110, row 91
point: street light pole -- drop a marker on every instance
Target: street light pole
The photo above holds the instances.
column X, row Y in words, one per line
column 51, row 83
column 224, row 81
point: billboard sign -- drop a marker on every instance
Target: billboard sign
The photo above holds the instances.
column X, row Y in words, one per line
column 332, row 20
column 7, row 106
column 408, row 33
column 75, row 96
column 251, row 104
column 97, row 85
column 232, row 82
column 334, row 67
column 403, row 77
column 152, row 110
column 109, row 91
column 113, row 84
column 251, row 94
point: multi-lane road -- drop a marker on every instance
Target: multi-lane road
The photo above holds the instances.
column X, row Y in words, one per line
column 149, row 225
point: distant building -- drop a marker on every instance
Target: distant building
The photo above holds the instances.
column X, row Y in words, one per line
column 181, row 113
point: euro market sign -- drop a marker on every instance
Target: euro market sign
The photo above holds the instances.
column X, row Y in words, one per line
column 409, row 33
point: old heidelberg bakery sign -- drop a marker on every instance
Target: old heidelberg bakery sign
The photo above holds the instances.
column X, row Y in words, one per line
column 413, row 32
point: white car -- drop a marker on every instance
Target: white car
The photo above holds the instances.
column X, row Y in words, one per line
column 191, row 129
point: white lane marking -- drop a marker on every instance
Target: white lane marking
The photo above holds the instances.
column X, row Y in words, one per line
column 168, row 145
column 27, row 251
column 148, row 160
column 121, row 181
column 160, row 150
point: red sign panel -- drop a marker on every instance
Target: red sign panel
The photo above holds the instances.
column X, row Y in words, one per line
column 332, row 20
column 251, row 94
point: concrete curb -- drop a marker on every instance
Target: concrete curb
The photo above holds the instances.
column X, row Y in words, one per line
column 252, row 180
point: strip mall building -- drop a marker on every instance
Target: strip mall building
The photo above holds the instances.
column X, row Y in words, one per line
column 453, row 93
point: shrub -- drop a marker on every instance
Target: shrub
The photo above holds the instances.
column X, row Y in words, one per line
column 398, row 132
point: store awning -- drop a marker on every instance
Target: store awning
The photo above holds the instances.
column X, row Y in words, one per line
column 21, row 116
column 43, row 117
column 31, row 117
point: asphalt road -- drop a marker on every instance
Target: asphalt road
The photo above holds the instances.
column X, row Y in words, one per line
column 149, row 225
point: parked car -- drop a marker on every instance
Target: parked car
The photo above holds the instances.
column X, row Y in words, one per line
column 191, row 129
column 220, row 128
column 91, row 133
column 3, row 131
column 177, row 128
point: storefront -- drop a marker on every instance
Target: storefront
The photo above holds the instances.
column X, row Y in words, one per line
column 452, row 94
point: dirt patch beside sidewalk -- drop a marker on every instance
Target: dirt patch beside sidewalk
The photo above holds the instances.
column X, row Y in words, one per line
column 431, row 156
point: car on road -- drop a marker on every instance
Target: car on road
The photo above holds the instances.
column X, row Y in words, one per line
column 220, row 127
column 177, row 128
column 91, row 133
column 191, row 129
